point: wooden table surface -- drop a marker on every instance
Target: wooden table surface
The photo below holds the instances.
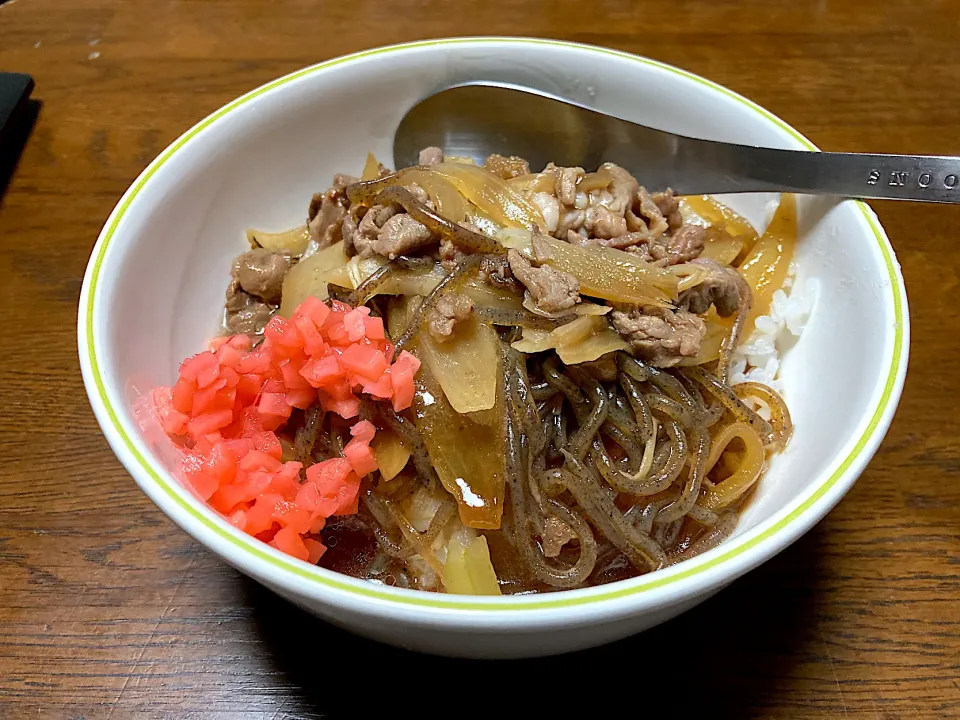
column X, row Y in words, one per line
column 108, row 610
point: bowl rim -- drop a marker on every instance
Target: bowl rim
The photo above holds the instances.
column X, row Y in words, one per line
column 710, row 570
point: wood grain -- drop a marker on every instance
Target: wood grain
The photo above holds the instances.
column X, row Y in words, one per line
column 109, row 611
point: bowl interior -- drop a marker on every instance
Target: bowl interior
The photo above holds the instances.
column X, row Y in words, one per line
column 161, row 283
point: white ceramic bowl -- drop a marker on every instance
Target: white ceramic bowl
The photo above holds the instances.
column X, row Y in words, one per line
column 155, row 282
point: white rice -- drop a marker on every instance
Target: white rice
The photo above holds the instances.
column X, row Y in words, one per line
column 758, row 358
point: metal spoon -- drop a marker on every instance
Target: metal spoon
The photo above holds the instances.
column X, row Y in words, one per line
column 477, row 119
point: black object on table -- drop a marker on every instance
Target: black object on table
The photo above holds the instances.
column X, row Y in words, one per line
column 17, row 116
column 15, row 89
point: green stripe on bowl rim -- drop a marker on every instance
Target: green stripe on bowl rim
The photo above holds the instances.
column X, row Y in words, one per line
column 459, row 602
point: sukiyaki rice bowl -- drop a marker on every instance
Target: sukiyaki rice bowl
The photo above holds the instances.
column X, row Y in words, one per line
column 474, row 407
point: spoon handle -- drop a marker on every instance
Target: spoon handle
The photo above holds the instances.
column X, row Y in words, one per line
column 738, row 168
